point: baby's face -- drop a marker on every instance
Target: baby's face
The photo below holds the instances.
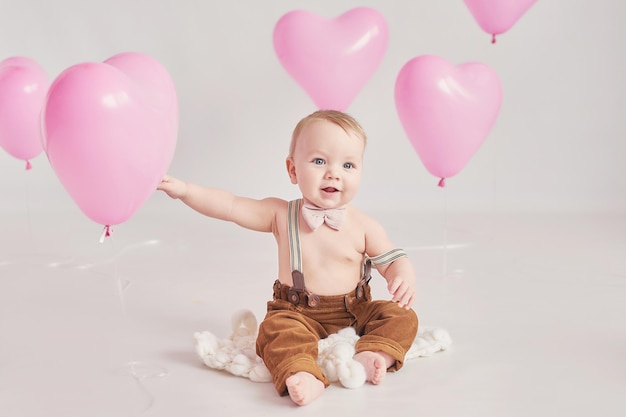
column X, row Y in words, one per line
column 327, row 164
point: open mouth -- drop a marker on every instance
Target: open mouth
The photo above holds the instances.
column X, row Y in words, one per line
column 330, row 189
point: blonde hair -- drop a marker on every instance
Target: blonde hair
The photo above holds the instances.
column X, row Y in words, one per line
column 341, row 119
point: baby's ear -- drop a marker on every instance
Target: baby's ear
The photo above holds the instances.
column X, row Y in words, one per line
column 291, row 170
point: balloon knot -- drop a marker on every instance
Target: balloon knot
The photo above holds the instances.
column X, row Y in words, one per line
column 106, row 232
column 493, row 38
column 28, row 165
column 442, row 182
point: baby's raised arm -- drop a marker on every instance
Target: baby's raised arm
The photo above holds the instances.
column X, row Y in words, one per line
column 252, row 214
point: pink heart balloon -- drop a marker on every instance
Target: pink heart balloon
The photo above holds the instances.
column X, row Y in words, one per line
column 331, row 59
column 110, row 133
column 497, row 16
column 447, row 111
column 23, row 88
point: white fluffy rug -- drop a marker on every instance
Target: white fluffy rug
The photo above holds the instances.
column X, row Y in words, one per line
column 237, row 354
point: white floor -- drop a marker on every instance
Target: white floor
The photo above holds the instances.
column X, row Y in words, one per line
column 535, row 305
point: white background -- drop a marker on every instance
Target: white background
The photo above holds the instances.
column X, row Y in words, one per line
column 558, row 144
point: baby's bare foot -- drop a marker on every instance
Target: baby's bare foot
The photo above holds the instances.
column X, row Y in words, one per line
column 375, row 364
column 304, row 387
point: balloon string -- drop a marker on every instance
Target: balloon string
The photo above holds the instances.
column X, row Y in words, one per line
column 136, row 369
column 29, row 218
column 445, row 233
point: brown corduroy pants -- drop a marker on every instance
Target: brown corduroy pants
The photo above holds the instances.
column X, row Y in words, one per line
column 289, row 333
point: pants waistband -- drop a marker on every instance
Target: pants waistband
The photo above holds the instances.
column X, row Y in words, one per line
column 285, row 292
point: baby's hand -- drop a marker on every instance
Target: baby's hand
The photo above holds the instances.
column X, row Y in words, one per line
column 402, row 291
column 173, row 187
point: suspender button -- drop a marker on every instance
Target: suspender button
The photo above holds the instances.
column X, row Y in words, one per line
column 314, row 300
column 294, row 297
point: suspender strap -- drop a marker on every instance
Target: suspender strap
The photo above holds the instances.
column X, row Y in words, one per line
column 388, row 257
column 293, row 227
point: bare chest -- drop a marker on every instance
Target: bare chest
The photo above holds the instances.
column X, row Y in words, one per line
column 331, row 260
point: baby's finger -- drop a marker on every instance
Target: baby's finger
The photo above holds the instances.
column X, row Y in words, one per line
column 406, row 301
column 394, row 285
column 398, row 292
column 404, row 295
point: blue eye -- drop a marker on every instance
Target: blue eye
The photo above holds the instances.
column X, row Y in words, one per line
column 348, row 165
column 318, row 161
